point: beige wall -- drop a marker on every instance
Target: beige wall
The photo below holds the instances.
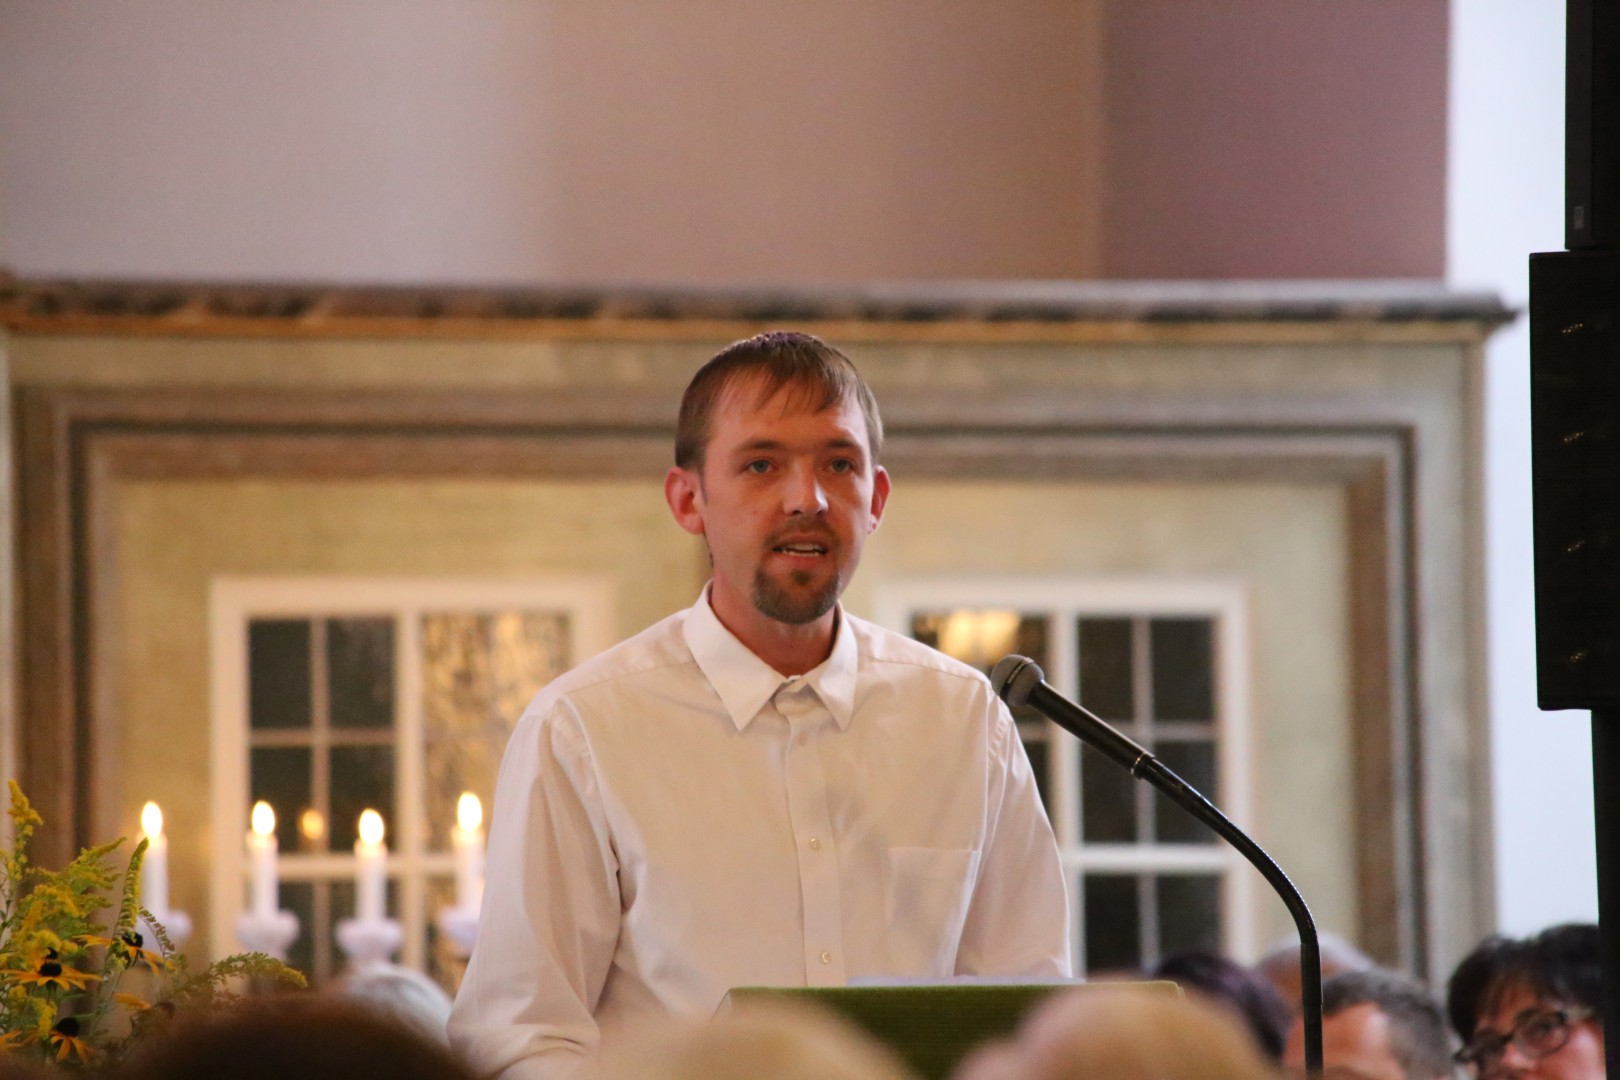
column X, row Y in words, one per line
column 1285, row 546
column 1284, row 542
column 175, row 537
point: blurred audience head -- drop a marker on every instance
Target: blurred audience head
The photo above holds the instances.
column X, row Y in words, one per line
column 308, row 1036
column 402, row 993
column 1232, row 986
column 782, row 1041
column 1531, row 1008
column 1122, row 1034
column 1376, row 1025
column 1280, row 966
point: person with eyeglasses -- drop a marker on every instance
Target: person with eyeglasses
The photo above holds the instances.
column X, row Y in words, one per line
column 1531, row 1008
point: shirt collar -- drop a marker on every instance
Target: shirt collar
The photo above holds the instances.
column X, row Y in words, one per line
column 745, row 683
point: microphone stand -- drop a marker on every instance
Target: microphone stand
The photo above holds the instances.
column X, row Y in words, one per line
column 1019, row 680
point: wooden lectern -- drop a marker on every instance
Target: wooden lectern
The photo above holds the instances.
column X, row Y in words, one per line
column 933, row 1026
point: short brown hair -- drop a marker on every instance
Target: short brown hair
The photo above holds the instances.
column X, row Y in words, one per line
column 815, row 374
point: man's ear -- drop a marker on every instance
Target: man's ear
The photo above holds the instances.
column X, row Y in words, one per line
column 880, row 495
column 683, row 490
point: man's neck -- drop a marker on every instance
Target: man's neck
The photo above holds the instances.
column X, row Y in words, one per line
column 789, row 648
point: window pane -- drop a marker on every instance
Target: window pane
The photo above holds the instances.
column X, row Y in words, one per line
column 1194, row 762
column 981, row 637
column 298, row 897
column 1183, row 669
column 1112, row 916
column 280, row 775
column 360, row 672
column 1105, row 668
column 278, row 673
column 362, row 778
column 478, row 673
column 1189, row 912
column 1107, row 801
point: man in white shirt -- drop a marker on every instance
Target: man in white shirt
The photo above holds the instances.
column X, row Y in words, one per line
column 763, row 789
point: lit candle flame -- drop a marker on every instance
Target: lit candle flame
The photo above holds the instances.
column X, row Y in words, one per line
column 371, row 828
column 264, row 818
column 311, row 825
column 469, row 812
column 152, row 821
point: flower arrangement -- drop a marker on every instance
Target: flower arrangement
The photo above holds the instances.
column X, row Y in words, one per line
column 62, row 964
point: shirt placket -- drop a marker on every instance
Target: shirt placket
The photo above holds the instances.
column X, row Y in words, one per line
column 814, row 844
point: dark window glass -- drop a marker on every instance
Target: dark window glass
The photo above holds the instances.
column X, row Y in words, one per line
column 298, row 897
column 278, row 673
column 281, row 776
column 1031, row 641
column 1189, row 912
column 362, row 778
column 1194, row 762
column 360, row 671
column 1035, row 746
column 1107, row 801
column 1112, row 919
column 1183, row 669
column 1105, row 668
column 925, row 627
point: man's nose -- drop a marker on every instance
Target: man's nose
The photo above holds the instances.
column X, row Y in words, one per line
column 1512, row 1064
column 804, row 494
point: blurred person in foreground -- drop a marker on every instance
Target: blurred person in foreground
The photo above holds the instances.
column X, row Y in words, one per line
column 762, row 789
column 1530, row 1009
column 1376, row 1025
column 307, row 1036
column 780, row 1041
column 1230, row 985
column 1119, row 1033
column 401, row 993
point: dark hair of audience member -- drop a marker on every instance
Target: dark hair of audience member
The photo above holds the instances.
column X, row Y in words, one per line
column 1235, row 987
column 302, row 1035
column 1561, row 964
column 1417, row 1026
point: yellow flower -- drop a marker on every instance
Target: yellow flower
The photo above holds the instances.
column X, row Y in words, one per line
column 131, row 946
column 11, row 1040
column 65, row 1037
column 130, row 1001
column 52, row 973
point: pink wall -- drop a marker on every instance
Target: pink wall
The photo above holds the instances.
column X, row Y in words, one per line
column 720, row 140
column 1275, row 138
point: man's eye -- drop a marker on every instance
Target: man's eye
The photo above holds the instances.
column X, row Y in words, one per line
column 758, row 465
column 842, row 465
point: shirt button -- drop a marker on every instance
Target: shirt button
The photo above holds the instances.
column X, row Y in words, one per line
column 826, row 957
column 815, row 845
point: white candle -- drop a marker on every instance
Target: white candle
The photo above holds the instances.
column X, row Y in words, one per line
column 155, row 867
column 467, row 839
column 370, row 872
column 261, row 843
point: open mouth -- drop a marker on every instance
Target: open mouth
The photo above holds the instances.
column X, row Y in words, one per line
column 803, row 549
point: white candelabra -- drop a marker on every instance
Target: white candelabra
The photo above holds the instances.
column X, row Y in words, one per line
column 155, row 879
column 264, row 927
column 370, row 937
column 459, row 924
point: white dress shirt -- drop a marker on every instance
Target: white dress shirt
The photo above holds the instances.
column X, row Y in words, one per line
column 674, row 818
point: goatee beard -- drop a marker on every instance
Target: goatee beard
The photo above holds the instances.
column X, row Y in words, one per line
column 794, row 608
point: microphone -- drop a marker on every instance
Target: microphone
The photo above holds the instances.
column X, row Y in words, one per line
column 1018, row 680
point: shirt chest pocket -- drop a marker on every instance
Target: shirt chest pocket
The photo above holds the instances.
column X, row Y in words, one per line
column 926, row 895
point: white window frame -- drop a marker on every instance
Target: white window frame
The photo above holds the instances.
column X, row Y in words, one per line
column 1066, row 599
column 235, row 601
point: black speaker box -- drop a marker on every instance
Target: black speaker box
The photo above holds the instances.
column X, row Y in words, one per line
column 1592, row 124
column 1575, row 473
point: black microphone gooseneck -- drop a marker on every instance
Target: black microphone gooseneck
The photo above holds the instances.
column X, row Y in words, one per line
column 1018, row 680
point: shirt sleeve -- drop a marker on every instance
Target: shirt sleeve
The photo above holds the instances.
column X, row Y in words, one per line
column 1018, row 919
column 550, row 917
